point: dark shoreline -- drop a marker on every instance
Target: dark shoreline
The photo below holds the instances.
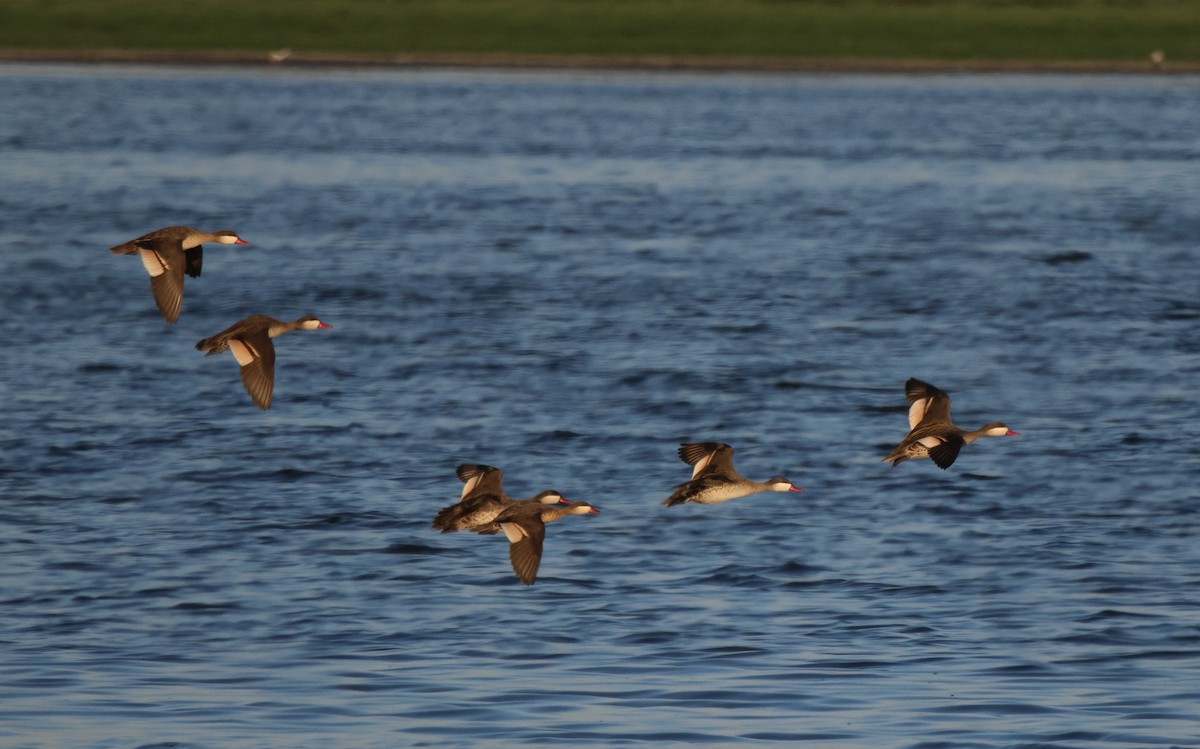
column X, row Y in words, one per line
column 595, row 62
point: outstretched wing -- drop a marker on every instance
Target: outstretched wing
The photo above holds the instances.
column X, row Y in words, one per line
column 165, row 267
column 707, row 457
column 255, row 352
column 926, row 403
column 480, row 479
column 946, row 453
column 525, row 539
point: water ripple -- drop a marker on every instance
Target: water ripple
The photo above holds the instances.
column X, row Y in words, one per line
column 567, row 275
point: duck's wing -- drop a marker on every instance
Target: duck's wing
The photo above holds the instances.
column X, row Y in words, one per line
column 195, row 260
column 945, row 453
column 255, row 352
column 707, row 457
column 165, row 264
column 525, row 535
column 926, row 403
column 480, row 479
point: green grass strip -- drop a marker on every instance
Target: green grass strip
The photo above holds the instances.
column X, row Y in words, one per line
column 946, row 30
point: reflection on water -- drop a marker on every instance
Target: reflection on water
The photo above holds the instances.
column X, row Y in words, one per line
column 566, row 275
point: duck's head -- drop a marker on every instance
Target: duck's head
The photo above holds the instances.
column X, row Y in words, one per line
column 999, row 429
column 582, row 508
column 310, row 322
column 781, row 484
column 226, row 236
column 551, row 497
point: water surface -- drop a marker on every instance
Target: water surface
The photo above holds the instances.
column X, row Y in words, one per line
column 566, row 275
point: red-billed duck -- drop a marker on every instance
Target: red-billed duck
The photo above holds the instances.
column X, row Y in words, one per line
column 169, row 253
column 715, row 480
column 483, row 500
column 932, row 434
column 250, row 342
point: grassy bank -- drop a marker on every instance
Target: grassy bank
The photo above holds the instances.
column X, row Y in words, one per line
column 939, row 30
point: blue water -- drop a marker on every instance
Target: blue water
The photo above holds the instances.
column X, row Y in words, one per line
column 566, row 275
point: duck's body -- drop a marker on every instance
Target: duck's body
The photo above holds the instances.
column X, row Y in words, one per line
column 250, row 342
column 483, row 500
column 715, row 480
column 932, row 433
column 167, row 254
column 525, row 527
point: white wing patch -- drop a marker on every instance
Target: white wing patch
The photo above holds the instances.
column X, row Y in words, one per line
column 470, row 485
column 243, row 353
column 916, row 411
column 701, row 464
column 153, row 263
column 514, row 532
column 930, row 441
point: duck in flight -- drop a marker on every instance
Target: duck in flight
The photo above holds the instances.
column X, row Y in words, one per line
column 483, row 500
column 250, row 342
column 931, row 432
column 167, row 254
column 715, row 480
